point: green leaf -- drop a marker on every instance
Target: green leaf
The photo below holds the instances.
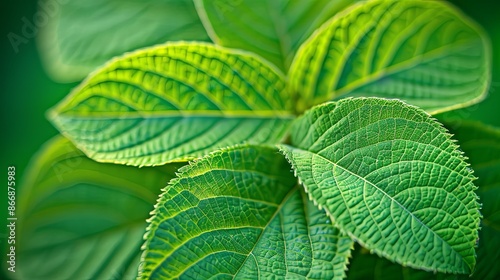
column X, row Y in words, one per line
column 238, row 213
column 482, row 144
column 175, row 102
column 274, row 29
column 390, row 176
column 424, row 52
column 79, row 219
column 83, row 34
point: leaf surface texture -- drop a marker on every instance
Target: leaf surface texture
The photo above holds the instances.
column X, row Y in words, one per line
column 390, row 176
column 238, row 213
column 175, row 102
column 424, row 52
column 273, row 29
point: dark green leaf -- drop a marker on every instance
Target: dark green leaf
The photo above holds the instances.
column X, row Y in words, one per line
column 390, row 176
column 79, row 219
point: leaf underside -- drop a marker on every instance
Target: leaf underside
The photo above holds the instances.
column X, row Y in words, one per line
column 175, row 102
column 273, row 29
column 390, row 176
column 238, row 213
column 83, row 34
column 424, row 52
column 82, row 219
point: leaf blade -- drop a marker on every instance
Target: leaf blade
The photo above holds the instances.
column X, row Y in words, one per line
column 373, row 164
column 271, row 29
column 258, row 223
column 480, row 143
column 424, row 52
column 175, row 102
column 82, row 35
column 83, row 219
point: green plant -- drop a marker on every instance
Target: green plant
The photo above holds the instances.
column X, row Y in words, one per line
column 369, row 167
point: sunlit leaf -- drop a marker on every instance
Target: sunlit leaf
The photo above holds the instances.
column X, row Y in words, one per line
column 175, row 102
column 274, row 29
column 424, row 52
column 238, row 213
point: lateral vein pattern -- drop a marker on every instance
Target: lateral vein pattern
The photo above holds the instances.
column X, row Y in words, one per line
column 390, row 176
column 238, row 213
column 175, row 102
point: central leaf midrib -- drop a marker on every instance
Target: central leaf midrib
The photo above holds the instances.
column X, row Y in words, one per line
column 278, row 23
column 262, row 94
column 244, row 114
column 278, row 210
column 385, row 194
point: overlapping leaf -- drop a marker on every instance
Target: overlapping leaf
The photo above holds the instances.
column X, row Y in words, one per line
column 175, row 102
column 390, row 176
column 82, row 219
column 83, row 34
column 424, row 52
column 481, row 144
column 274, row 29
column 238, row 214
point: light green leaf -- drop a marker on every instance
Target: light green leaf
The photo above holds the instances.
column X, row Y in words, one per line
column 274, row 29
column 424, row 52
column 79, row 219
column 175, row 102
column 390, row 176
column 83, row 34
column 238, row 214
column 481, row 144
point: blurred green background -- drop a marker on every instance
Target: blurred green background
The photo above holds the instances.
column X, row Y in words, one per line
column 27, row 92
